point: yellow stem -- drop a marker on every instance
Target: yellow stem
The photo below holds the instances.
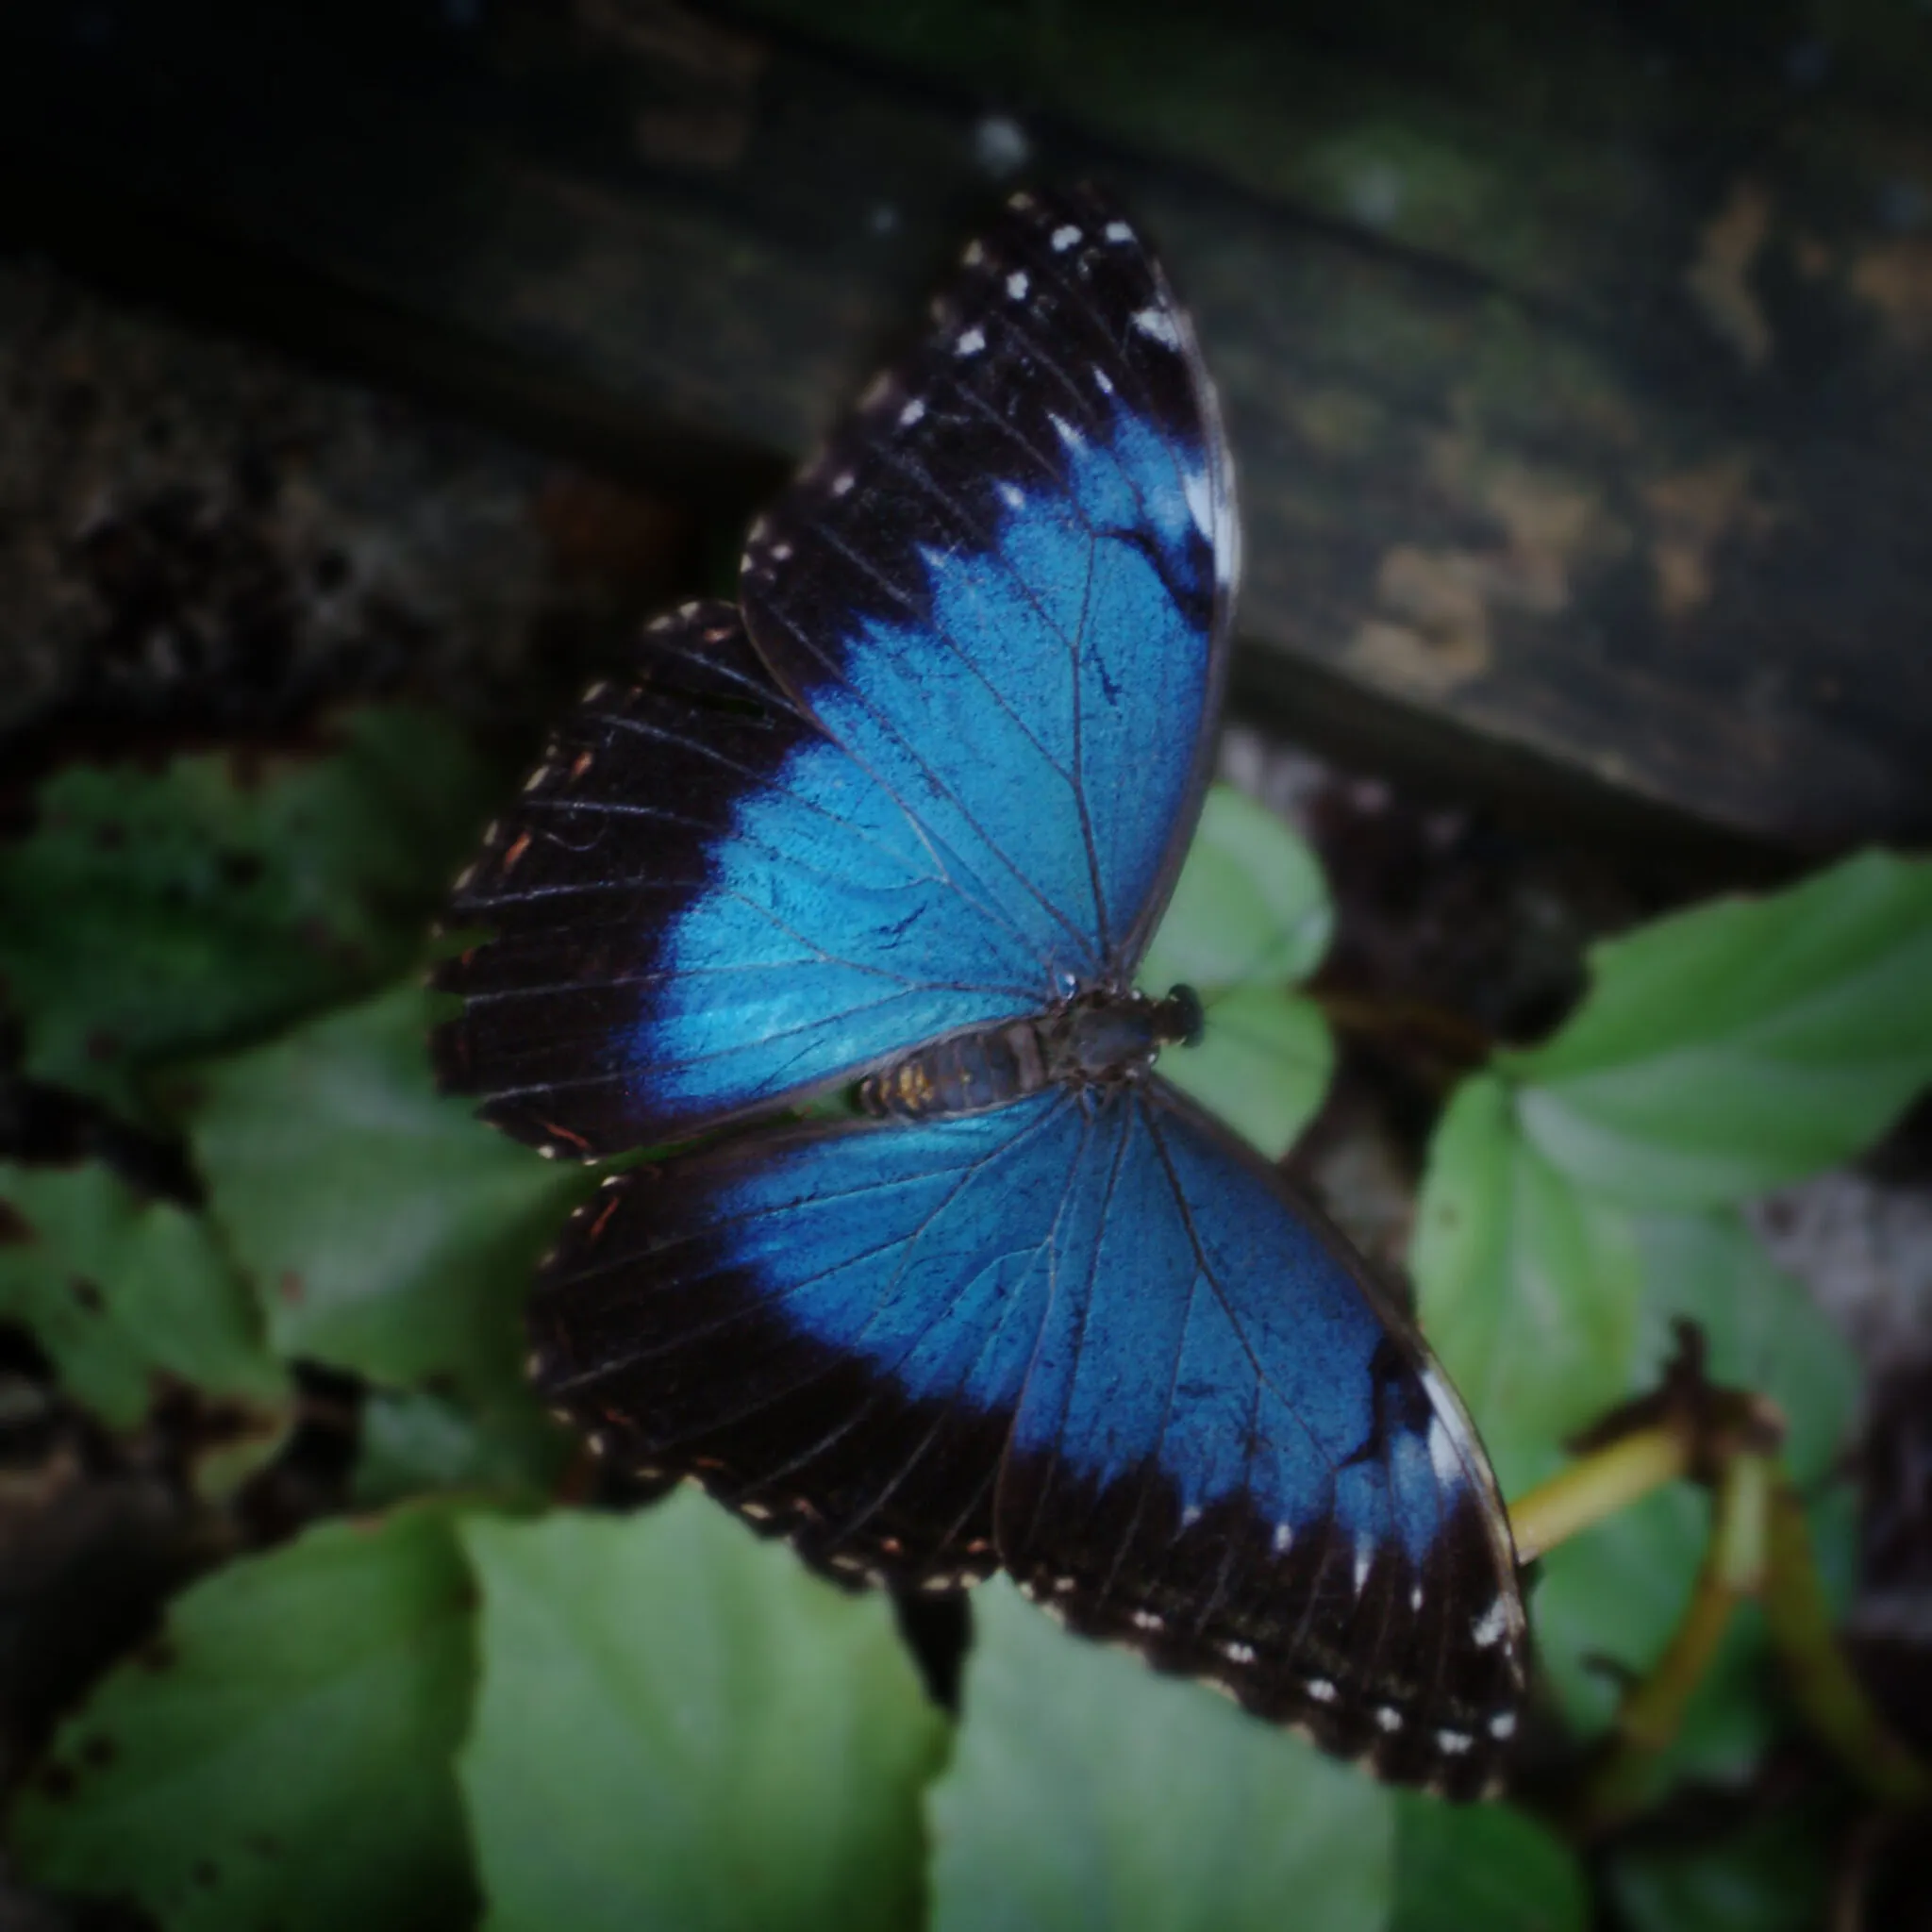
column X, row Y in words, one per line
column 1596, row 1486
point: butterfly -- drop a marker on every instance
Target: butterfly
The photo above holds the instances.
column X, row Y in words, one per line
column 900, row 822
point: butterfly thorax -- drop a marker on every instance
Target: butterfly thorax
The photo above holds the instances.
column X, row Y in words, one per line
column 1102, row 1038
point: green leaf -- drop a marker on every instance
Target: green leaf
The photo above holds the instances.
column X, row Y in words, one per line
column 679, row 1726
column 1528, row 1288
column 1548, row 1306
column 1464, row 1866
column 1617, row 1591
column 411, row 1440
column 1249, row 913
column 1085, row 1792
column 382, row 1227
column 280, row 1755
column 1743, row 1043
column 120, row 1289
column 1263, row 1065
column 1250, row 908
column 1762, row 1328
column 1606, row 1603
column 153, row 915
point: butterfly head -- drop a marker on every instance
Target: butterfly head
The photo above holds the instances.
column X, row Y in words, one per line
column 1180, row 1019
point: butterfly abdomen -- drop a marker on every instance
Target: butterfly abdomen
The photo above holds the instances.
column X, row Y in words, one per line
column 988, row 1067
column 1097, row 1040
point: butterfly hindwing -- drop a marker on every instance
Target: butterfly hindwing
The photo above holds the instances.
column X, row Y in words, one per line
column 1004, row 586
column 699, row 905
column 1234, row 1455
column 1095, row 1342
column 831, row 1325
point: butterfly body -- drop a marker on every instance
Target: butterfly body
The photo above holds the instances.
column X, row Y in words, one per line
column 1099, row 1038
column 901, row 824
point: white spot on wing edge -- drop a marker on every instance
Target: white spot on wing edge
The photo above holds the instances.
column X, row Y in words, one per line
column 1388, row 1719
column 1158, row 323
column 1063, row 238
column 1011, row 495
column 1453, row 1744
column 970, row 341
column 1284, row 1536
column 1227, row 559
column 1017, row 285
column 1447, row 1428
column 1199, row 496
column 1238, row 1653
column 841, row 482
column 1321, row 1689
column 1487, row 1631
column 1103, row 382
column 911, row 413
column 1445, row 1458
column 1503, row 1724
column 1364, row 1555
column 1066, row 432
column 1118, row 232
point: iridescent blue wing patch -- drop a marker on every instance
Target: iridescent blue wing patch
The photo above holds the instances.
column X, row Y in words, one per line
column 1004, row 586
column 1095, row 1342
column 956, row 777
column 701, row 907
column 1234, row 1454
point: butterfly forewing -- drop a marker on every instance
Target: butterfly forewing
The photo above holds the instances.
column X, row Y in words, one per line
column 1005, row 584
column 964, row 760
column 700, row 907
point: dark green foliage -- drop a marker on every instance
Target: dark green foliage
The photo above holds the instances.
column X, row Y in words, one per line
column 155, row 914
column 653, row 1720
column 281, row 1752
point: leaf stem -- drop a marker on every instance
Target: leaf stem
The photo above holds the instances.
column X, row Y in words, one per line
column 1823, row 1683
column 1652, row 1712
column 1598, row 1485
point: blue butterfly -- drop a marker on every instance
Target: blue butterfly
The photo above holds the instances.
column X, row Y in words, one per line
column 901, row 822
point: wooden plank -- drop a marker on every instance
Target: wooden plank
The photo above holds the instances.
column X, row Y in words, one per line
column 1612, row 459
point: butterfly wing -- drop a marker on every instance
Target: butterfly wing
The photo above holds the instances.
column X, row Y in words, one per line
column 1005, row 585
column 1233, row 1454
column 1093, row 1341
column 957, row 775
column 830, row 1325
column 700, row 905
